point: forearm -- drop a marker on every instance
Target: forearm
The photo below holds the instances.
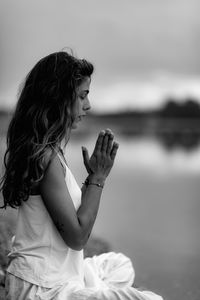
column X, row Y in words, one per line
column 98, row 166
column 88, row 210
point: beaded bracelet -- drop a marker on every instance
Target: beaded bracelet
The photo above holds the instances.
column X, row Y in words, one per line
column 87, row 182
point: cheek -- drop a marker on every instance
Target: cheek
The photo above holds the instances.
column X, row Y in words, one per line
column 79, row 105
column 76, row 108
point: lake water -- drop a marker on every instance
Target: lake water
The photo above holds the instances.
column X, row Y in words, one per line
column 150, row 211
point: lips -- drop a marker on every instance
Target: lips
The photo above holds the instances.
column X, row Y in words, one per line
column 81, row 116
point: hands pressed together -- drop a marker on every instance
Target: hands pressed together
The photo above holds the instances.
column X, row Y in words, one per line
column 103, row 156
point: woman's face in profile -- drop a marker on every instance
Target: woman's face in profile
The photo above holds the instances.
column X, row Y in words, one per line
column 82, row 103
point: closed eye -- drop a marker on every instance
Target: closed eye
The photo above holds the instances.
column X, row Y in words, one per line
column 84, row 94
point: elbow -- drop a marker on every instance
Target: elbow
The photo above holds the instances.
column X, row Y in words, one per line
column 76, row 242
column 79, row 243
column 76, row 247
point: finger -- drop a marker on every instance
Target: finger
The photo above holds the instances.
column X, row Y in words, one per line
column 108, row 131
column 114, row 150
column 85, row 155
column 86, row 158
column 105, row 143
column 110, row 142
column 99, row 141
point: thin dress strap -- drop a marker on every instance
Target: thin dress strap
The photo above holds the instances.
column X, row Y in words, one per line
column 63, row 162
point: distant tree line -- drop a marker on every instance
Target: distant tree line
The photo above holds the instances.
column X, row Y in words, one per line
column 189, row 108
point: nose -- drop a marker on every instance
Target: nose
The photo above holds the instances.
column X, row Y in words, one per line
column 87, row 105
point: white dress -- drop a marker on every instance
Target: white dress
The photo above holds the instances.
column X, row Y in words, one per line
column 42, row 267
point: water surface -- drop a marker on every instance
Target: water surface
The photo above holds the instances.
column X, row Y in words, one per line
column 150, row 211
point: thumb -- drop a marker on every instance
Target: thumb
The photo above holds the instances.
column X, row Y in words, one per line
column 86, row 159
column 85, row 155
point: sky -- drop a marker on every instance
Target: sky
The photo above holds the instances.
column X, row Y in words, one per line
column 144, row 51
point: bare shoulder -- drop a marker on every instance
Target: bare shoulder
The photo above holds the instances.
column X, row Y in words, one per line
column 48, row 157
column 54, row 177
column 51, row 159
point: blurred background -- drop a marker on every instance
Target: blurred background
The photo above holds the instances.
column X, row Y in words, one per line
column 146, row 88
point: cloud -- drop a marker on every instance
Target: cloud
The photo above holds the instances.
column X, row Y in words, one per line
column 122, row 38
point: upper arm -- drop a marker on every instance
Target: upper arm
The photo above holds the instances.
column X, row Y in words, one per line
column 59, row 204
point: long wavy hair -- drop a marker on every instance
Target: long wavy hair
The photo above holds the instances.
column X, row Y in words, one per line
column 42, row 118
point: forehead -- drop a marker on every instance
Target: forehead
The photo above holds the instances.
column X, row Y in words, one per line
column 85, row 84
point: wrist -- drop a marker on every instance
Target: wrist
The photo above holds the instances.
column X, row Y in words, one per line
column 96, row 178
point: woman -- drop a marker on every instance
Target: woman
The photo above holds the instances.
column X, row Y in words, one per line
column 55, row 217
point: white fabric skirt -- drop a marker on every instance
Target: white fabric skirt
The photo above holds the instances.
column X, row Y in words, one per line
column 108, row 276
